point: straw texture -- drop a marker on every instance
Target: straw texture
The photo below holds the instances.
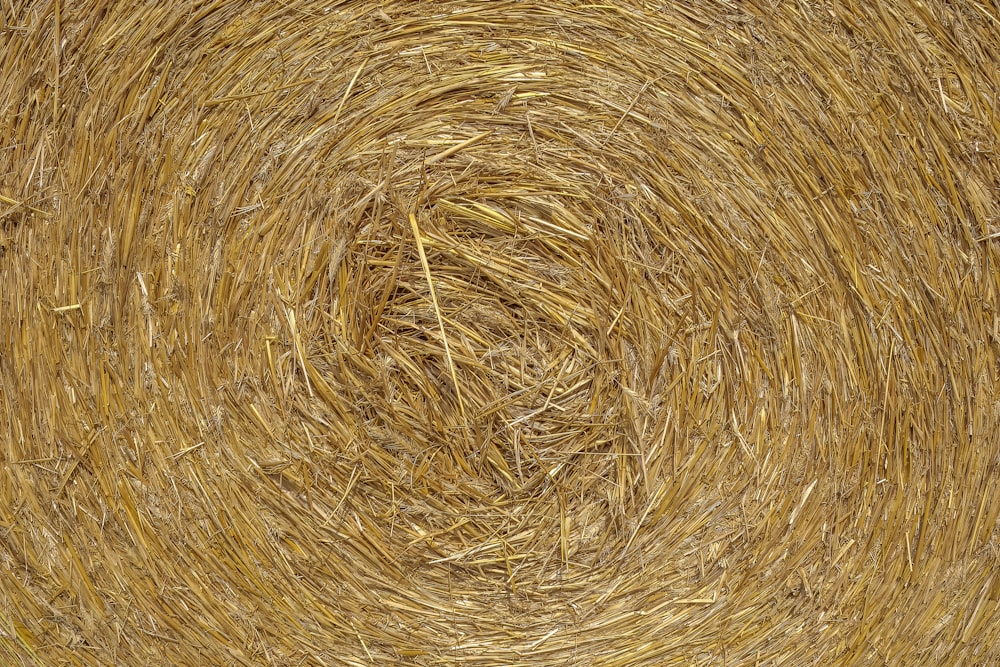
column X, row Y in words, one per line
column 499, row 333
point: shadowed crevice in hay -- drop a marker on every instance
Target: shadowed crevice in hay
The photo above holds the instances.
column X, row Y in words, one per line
column 695, row 361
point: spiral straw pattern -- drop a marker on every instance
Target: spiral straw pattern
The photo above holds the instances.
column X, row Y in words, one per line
column 481, row 333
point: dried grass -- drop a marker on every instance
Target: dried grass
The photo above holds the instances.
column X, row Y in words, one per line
column 468, row 333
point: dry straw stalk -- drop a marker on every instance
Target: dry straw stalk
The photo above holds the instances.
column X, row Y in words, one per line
column 499, row 333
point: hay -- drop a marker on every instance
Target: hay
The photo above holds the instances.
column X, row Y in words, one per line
column 468, row 333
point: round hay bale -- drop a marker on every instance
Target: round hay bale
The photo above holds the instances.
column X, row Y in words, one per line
column 468, row 333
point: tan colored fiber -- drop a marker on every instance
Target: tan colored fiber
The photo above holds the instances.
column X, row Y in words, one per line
column 499, row 333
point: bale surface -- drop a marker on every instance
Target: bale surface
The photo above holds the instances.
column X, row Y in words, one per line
column 499, row 333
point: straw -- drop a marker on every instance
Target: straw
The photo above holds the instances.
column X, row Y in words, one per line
column 499, row 333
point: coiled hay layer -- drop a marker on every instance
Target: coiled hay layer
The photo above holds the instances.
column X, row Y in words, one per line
column 482, row 333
